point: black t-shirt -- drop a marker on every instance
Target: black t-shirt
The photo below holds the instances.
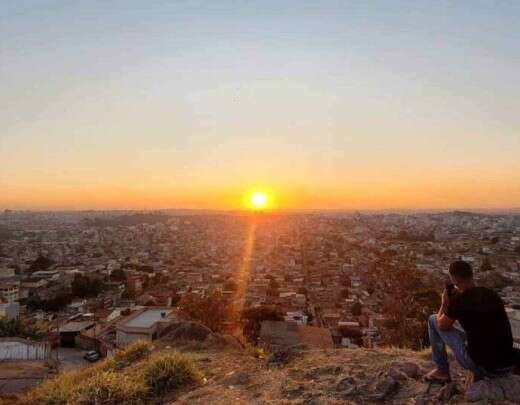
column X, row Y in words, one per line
column 481, row 313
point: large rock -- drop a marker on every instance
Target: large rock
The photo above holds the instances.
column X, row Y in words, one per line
column 188, row 331
column 409, row 368
column 291, row 390
column 386, row 388
column 496, row 389
column 325, row 370
column 447, row 392
column 221, row 340
column 239, row 378
column 282, row 355
column 346, row 386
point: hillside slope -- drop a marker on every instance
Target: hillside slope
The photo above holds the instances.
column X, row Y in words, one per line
column 357, row 376
column 216, row 371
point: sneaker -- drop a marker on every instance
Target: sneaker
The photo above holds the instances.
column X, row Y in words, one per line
column 437, row 375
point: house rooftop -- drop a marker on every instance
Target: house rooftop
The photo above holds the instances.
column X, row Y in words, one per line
column 280, row 333
column 77, row 326
column 147, row 318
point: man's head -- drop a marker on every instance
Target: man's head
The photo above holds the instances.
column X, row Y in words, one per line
column 461, row 273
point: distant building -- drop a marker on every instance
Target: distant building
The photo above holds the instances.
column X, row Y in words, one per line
column 10, row 290
column 285, row 334
column 6, row 272
column 9, row 310
column 145, row 324
column 296, row 316
column 70, row 330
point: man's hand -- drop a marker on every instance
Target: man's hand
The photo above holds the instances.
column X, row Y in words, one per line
column 445, row 323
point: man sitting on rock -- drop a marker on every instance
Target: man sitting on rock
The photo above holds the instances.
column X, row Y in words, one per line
column 485, row 346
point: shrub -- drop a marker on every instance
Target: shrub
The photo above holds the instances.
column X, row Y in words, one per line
column 195, row 308
column 54, row 392
column 109, row 388
column 136, row 351
column 168, row 371
column 254, row 351
column 134, row 378
column 253, row 317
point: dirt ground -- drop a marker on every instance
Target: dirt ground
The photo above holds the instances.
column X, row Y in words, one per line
column 20, row 375
column 70, row 359
column 17, row 376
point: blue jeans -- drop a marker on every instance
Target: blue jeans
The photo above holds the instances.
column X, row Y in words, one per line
column 455, row 339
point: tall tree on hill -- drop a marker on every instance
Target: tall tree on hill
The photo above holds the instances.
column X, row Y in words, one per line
column 409, row 301
column 211, row 310
column 253, row 317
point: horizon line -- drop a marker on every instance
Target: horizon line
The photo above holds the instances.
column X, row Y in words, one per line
column 283, row 210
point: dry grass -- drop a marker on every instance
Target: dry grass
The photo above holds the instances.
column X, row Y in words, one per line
column 133, row 376
column 168, row 371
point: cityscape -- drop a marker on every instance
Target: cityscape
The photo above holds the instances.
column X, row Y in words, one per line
column 259, row 202
column 101, row 280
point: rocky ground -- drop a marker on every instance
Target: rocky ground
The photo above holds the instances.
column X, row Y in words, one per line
column 231, row 374
column 357, row 376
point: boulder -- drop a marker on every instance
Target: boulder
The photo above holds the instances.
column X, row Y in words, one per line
column 397, row 374
column 282, row 355
column 326, row 370
column 496, row 389
column 409, row 368
column 347, row 386
column 386, row 388
column 188, row 331
column 240, row 378
column 218, row 339
column 447, row 392
column 291, row 390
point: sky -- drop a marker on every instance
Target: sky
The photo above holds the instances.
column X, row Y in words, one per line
column 195, row 104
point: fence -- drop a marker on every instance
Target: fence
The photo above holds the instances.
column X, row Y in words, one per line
column 13, row 348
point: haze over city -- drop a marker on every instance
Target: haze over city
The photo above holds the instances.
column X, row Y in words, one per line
column 318, row 105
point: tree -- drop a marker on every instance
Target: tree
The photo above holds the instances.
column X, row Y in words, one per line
column 17, row 328
column 83, row 286
column 230, row 285
column 211, row 310
column 41, row 263
column 356, row 308
column 57, row 303
column 253, row 317
column 408, row 303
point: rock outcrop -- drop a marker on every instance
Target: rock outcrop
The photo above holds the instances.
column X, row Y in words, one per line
column 358, row 376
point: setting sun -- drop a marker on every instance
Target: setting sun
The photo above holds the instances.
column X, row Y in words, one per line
column 259, row 200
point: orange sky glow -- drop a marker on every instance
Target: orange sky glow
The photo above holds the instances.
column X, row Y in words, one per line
column 322, row 105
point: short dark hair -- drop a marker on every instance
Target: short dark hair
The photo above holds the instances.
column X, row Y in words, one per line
column 461, row 269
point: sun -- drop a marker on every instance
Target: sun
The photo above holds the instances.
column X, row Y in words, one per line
column 259, row 200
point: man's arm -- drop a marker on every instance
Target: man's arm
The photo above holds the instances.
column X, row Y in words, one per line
column 444, row 321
